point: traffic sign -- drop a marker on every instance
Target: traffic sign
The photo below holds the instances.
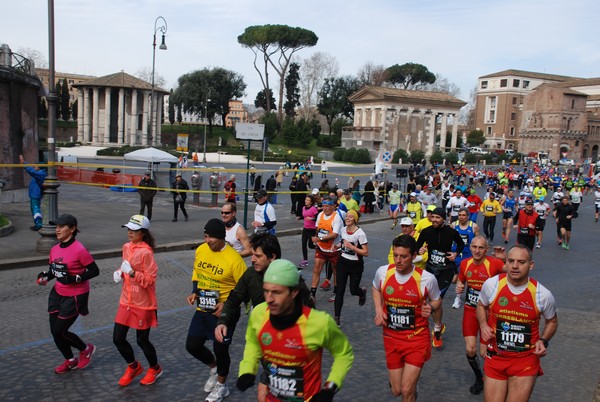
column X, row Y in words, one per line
column 386, row 157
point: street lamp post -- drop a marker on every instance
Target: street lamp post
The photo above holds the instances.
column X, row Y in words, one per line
column 162, row 28
column 205, row 123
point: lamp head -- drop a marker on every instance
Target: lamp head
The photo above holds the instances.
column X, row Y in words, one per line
column 163, row 45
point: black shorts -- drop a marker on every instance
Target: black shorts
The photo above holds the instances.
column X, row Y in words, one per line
column 566, row 224
column 540, row 224
column 526, row 240
column 67, row 306
column 444, row 277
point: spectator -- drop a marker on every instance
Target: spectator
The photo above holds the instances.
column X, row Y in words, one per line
column 36, row 191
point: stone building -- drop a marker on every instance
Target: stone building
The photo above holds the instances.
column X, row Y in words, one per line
column 391, row 119
column 237, row 113
column 115, row 110
column 72, row 79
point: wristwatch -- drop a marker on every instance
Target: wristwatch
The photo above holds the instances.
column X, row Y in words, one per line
column 545, row 342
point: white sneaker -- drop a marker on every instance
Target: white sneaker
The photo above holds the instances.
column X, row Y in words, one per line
column 538, row 245
column 218, row 393
column 457, row 303
column 212, row 380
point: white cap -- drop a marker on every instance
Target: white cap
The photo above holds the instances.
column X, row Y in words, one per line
column 406, row 221
column 137, row 222
column 413, row 194
column 315, row 191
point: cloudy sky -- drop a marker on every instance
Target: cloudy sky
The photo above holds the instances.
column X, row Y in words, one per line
column 458, row 39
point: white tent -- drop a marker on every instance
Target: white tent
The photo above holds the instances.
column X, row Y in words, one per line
column 151, row 155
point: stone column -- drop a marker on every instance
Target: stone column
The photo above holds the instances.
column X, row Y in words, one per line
column 121, row 117
column 156, row 140
column 86, row 115
column 106, row 115
column 134, row 118
column 431, row 134
column 454, row 132
column 146, row 109
column 443, row 133
column 80, row 137
column 95, row 116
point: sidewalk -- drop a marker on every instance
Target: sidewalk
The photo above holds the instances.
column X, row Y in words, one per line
column 101, row 212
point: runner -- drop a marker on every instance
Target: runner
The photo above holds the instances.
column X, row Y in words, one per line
column 427, row 198
column 543, row 210
column 137, row 305
column 474, row 205
column 288, row 338
column 407, row 227
column 309, row 229
column 473, row 272
column 576, row 198
column 525, row 225
column 217, row 269
column 329, row 226
column 264, row 214
column 439, row 238
column 509, row 203
column 414, row 209
column 350, row 265
column 467, row 230
column 509, row 311
column 404, row 297
column 457, row 201
column 73, row 266
column 425, row 222
column 490, row 208
column 394, row 197
column 235, row 234
column 563, row 213
column 597, row 202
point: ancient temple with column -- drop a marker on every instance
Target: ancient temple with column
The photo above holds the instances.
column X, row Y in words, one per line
column 115, row 110
column 391, row 119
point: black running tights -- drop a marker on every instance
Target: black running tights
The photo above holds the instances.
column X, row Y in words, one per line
column 195, row 347
column 64, row 339
column 143, row 341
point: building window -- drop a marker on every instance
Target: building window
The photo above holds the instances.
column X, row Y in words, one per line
column 503, row 83
column 516, row 83
column 514, row 100
column 489, row 131
column 572, row 104
column 511, row 146
column 512, row 131
column 492, row 117
column 484, row 84
column 492, row 102
column 525, row 84
column 513, row 116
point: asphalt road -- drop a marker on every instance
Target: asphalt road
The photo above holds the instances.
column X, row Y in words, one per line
column 28, row 355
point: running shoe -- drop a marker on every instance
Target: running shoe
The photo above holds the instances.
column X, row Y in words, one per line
column 303, row 264
column 567, row 246
column 151, row 376
column 457, row 302
column 436, row 337
column 538, row 245
column 212, row 380
column 337, row 321
column 68, row 365
column 564, row 245
column 85, row 356
column 362, row 299
column 477, row 387
column 394, row 224
column 130, row 374
column 326, row 285
column 332, row 298
column 219, row 393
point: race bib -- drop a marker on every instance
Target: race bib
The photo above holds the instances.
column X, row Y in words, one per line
column 285, row 383
column 455, row 208
column 465, row 238
column 489, row 208
column 412, row 214
column 59, row 270
column 401, row 318
column 472, row 297
column 513, row 337
column 207, row 299
column 322, row 233
column 437, row 258
column 523, row 230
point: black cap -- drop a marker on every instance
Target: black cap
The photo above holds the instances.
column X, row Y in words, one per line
column 528, row 201
column 65, row 219
column 439, row 211
column 215, row 228
column 261, row 193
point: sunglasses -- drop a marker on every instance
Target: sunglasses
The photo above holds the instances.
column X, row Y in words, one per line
column 226, row 212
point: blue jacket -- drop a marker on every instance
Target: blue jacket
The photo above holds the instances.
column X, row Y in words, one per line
column 37, row 179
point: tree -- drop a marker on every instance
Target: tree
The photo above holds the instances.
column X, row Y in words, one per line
column 145, row 73
column 417, row 156
column 179, row 113
column 65, row 101
column 58, row 103
column 475, row 138
column 371, row 74
column 42, row 109
column 74, row 111
column 277, row 44
column 262, row 101
column 409, row 75
column 271, row 125
column 292, row 92
column 442, row 84
column 436, row 157
column 400, row 154
column 207, row 92
column 171, row 108
column 333, row 99
column 37, row 57
column 313, row 72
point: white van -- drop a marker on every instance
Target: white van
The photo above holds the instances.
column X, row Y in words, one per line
column 478, row 151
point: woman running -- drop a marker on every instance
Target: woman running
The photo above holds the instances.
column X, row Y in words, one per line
column 137, row 306
column 309, row 212
column 72, row 265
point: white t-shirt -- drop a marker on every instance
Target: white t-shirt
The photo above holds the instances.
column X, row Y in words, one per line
column 231, row 237
column 544, row 299
column 428, row 281
column 597, row 197
column 542, row 209
column 357, row 238
column 456, row 203
column 576, row 196
column 259, row 212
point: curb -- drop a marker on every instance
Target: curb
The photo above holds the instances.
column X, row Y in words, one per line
column 7, row 229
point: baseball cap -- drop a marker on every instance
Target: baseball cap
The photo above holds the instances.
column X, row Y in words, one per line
column 282, row 272
column 529, row 201
column 315, row 191
column 394, row 186
column 137, row 222
column 215, row 228
column 148, row 173
column 406, row 221
column 541, row 198
column 261, row 193
column 178, row 174
column 65, row 219
column 413, row 194
column 430, row 208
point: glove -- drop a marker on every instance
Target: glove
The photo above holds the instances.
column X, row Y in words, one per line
column 65, row 280
column 117, row 276
column 42, row 278
column 126, row 267
column 245, row 381
column 324, row 395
